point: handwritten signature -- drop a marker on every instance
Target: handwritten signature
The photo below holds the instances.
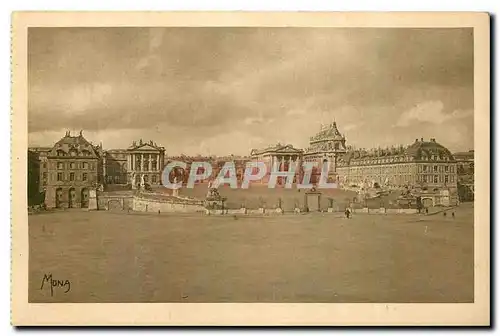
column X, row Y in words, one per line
column 47, row 280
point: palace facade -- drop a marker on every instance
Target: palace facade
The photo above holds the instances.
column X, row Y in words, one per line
column 279, row 156
column 62, row 175
column 465, row 170
column 424, row 164
column 73, row 167
column 328, row 145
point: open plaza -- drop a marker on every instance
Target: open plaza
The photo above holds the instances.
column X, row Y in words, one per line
column 119, row 256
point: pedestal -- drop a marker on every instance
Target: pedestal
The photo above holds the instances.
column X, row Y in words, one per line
column 92, row 200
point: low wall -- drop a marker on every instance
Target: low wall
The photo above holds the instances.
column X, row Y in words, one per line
column 148, row 205
column 114, row 202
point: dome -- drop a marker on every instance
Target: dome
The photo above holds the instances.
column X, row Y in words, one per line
column 427, row 150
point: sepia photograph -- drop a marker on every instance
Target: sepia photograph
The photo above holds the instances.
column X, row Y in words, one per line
column 245, row 164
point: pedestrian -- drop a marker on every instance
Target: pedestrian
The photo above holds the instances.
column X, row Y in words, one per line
column 426, row 211
column 444, row 214
column 453, row 214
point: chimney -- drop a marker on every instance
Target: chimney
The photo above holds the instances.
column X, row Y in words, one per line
column 416, row 140
column 422, row 139
column 433, row 140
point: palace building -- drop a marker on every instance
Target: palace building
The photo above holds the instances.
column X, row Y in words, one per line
column 326, row 146
column 280, row 155
column 425, row 164
column 62, row 175
column 145, row 161
column 73, row 168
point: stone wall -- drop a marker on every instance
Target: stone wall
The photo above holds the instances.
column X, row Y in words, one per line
column 115, row 202
column 148, row 205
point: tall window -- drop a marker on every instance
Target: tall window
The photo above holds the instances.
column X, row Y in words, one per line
column 153, row 178
column 435, row 168
column 72, row 165
column 71, row 176
column 60, row 165
column 435, row 179
column 85, row 165
column 59, row 176
column 84, row 177
column 446, row 179
column 446, row 168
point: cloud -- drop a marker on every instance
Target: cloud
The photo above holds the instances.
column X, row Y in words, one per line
column 193, row 84
column 430, row 112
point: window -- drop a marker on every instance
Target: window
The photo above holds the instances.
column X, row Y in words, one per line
column 452, row 178
column 44, row 165
column 435, row 168
column 71, row 176
column 60, row 165
column 153, row 178
column 85, row 165
column 72, row 165
column 446, row 168
column 59, row 176
column 84, row 177
column 425, row 168
column 435, row 179
column 446, row 179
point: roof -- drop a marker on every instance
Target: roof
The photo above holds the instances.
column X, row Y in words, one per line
column 418, row 151
column 464, row 155
column 327, row 133
column 74, row 146
column 39, row 149
column 148, row 146
column 278, row 148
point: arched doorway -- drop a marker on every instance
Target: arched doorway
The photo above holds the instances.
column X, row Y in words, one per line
column 85, row 198
column 59, row 197
column 71, row 198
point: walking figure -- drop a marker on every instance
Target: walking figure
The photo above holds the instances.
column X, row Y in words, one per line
column 444, row 214
column 453, row 214
column 426, row 211
column 347, row 213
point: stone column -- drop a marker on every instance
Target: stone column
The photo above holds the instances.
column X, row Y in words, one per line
column 149, row 162
column 142, row 161
column 157, row 162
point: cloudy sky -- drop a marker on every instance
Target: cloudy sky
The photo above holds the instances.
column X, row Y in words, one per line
column 226, row 90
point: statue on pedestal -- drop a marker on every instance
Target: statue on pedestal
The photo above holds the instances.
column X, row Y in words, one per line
column 175, row 191
column 143, row 184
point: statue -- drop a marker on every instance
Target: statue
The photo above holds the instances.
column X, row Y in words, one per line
column 142, row 181
column 175, row 191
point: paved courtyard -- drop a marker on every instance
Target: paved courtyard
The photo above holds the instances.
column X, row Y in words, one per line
column 119, row 257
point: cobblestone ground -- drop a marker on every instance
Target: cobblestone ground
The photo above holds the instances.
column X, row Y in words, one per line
column 119, row 257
